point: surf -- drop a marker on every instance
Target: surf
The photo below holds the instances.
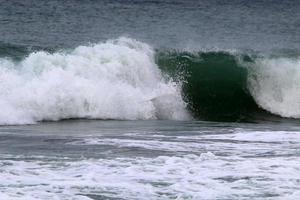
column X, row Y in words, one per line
column 117, row 79
column 125, row 79
column 236, row 86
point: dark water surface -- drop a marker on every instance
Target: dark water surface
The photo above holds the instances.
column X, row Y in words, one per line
column 259, row 24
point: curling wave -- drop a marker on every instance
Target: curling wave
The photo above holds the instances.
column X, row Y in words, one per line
column 231, row 86
column 128, row 80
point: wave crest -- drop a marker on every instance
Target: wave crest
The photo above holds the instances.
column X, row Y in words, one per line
column 275, row 85
column 233, row 86
column 126, row 79
column 117, row 79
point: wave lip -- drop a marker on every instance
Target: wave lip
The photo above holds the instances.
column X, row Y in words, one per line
column 117, row 79
column 275, row 85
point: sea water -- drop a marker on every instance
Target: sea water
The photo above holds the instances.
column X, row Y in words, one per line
column 140, row 99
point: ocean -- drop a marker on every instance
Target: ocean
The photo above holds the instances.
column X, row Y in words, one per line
column 149, row 99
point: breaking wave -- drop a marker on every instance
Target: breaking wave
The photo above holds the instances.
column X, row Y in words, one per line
column 126, row 79
column 117, row 79
column 233, row 86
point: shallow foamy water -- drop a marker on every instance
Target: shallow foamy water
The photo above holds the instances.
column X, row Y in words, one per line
column 149, row 160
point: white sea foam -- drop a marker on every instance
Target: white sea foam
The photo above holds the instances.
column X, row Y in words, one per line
column 275, row 85
column 187, row 161
column 203, row 176
column 117, row 79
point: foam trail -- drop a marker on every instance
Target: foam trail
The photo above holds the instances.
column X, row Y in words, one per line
column 117, row 79
column 275, row 85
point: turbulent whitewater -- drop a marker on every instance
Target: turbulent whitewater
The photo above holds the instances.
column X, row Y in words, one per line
column 117, row 79
column 126, row 79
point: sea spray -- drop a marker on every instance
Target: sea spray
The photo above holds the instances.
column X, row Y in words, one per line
column 117, row 79
column 275, row 85
column 125, row 79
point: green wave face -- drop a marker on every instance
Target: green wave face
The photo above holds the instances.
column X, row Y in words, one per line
column 214, row 84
